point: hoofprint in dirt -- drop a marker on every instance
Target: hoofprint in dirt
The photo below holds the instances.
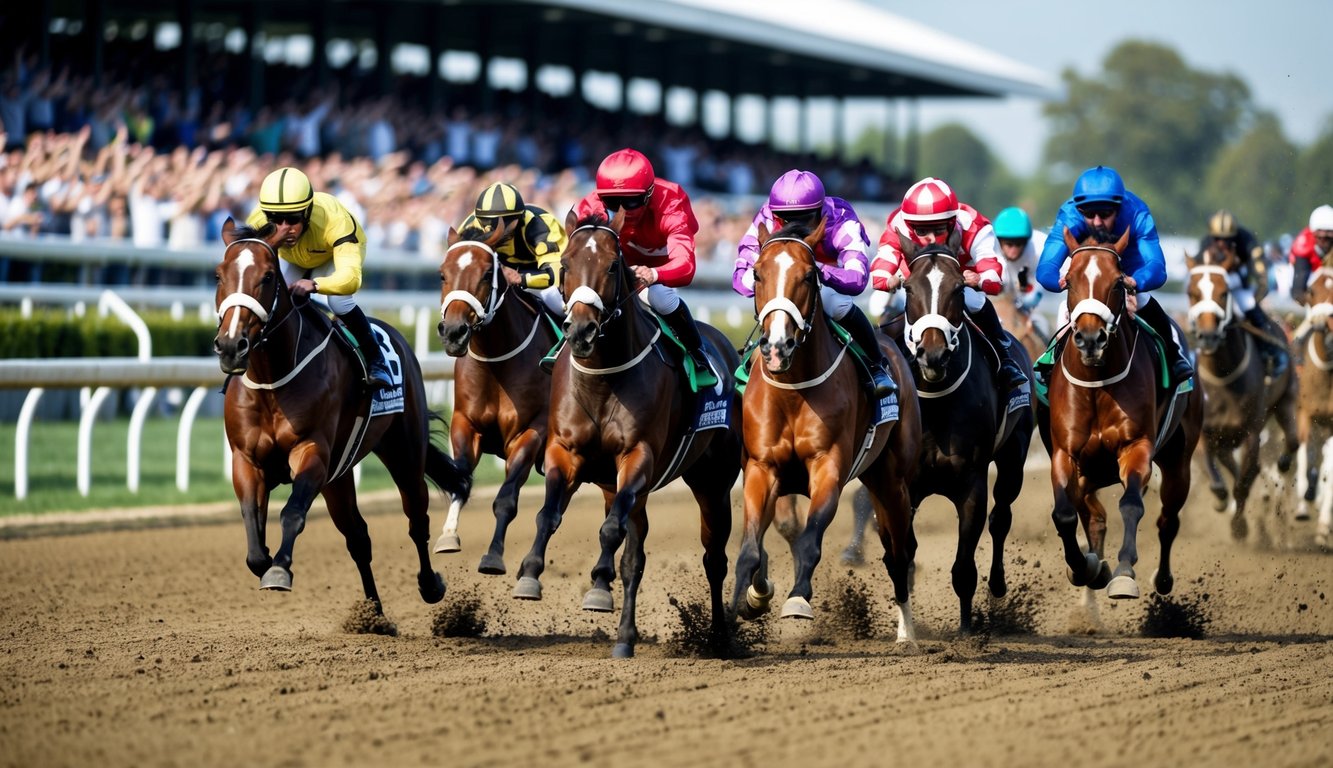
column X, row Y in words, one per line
column 152, row 647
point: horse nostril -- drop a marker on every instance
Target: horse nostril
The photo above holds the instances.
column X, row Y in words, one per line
column 242, row 346
column 439, row 329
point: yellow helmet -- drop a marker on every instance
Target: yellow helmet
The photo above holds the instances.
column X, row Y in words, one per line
column 499, row 199
column 285, row 190
column 1222, row 224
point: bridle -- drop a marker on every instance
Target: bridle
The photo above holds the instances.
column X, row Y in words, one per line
column 1092, row 306
column 245, row 301
column 783, row 304
column 587, row 295
column 914, row 331
column 494, row 299
column 1225, row 314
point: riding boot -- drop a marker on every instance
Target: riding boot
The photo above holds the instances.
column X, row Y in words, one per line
column 682, row 324
column 858, row 325
column 1181, row 368
column 1011, row 373
column 356, row 322
column 1275, row 355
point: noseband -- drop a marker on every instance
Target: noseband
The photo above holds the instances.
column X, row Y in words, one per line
column 933, row 319
column 782, row 303
column 1225, row 315
column 1091, row 306
column 587, row 295
column 496, row 298
column 242, row 299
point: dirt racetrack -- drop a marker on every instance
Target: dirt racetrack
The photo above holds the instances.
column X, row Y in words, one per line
column 155, row 647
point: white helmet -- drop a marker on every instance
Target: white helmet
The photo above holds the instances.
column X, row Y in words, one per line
column 1322, row 218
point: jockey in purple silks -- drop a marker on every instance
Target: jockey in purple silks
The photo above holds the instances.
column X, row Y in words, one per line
column 797, row 197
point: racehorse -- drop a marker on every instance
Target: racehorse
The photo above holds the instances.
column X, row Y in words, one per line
column 1105, row 425
column 1027, row 326
column 966, row 421
column 622, row 419
column 809, row 427
column 1239, row 400
column 300, row 415
column 498, row 335
column 1316, row 407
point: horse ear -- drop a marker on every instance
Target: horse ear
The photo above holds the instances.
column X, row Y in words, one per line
column 906, row 244
column 571, row 221
column 1123, row 242
column 764, row 233
column 618, row 221
column 956, row 240
column 453, row 237
column 817, row 236
column 1070, row 242
column 498, row 233
column 229, row 231
column 1190, row 261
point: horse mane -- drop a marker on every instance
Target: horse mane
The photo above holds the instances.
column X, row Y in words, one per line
column 592, row 220
column 474, row 233
column 1101, row 236
column 247, row 232
column 797, row 229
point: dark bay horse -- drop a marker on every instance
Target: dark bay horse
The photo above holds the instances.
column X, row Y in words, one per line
column 1105, row 425
column 299, row 414
column 1239, row 399
column 810, row 428
column 966, row 421
column 498, row 335
column 622, row 419
column 1316, row 406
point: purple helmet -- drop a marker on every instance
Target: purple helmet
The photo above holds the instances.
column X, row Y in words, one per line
column 796, row 191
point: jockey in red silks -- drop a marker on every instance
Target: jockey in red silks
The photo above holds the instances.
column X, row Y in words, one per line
column 657, row 240
column 930, row 213
column 1310, row 250
column 797, row 197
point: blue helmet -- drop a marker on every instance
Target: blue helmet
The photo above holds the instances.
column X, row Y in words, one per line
column 1012, row 224
column 1099, row 185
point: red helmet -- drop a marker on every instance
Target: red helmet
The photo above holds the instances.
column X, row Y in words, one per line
column 930, row 200
column 625, row 172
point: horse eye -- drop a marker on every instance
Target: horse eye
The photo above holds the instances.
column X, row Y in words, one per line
column 268, row 277
column 217, row 275
column 443, row 280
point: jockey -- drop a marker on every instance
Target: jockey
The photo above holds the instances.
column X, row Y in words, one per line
column 798, row 197
column 930, row 213
column 657, row 240
column 319, row 240
column 1253, row 267
column 530, row 255
column 1310, row 249
column 1020, row 246
column 1101, row 204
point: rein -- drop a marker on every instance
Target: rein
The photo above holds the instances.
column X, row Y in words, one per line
column 952, row 387
column 1237, row 372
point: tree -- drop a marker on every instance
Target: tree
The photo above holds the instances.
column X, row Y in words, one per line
column 1158, row 122
column 955, row 154
column 1254, row 177
column 1314, row 177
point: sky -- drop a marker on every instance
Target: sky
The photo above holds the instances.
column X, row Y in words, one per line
column 1282, row 49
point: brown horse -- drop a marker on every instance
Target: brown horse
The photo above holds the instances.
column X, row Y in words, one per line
column 1026, row 326
column 1316, row 409
column 1239, row 400
column 299, row 414
column 1105, row 425
column 622, row 419
column 499, row 335
column 810, row 428
column 967, row 422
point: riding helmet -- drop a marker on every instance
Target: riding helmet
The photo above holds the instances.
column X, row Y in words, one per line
column 1321, row 218
column 1222, row 224
column 1099, row 185
column 285, row 190
column 929, row 200
column 796, row 190
column 1013, row 224
column 625, row 172
column 497, row 200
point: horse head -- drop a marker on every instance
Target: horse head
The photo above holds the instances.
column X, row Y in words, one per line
column 786, row 291
column 250, row 292
column 1320, row 300
column 935, row 305
column 472, row 284
column 1097, row 293
column 1212, row 307
column 596, row 281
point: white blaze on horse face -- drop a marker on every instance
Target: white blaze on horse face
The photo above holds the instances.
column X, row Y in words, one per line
column 1206, row 287
column 244, row 261
column 935, row 277
column 777, row 331
column 1094, row 272
column 464, row 261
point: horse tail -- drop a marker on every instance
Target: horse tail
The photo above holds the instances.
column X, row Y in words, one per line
column 445, row 472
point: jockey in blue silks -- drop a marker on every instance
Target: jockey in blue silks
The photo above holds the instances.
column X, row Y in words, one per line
column 1101, row 204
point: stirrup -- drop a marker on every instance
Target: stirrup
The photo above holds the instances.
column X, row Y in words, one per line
column 881, row 381
column 703, row 372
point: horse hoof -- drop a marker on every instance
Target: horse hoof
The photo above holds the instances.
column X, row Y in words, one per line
column 1302, row 512
column 1163, row 582
column 1123, row 588
column 278, row 578
column 1240, row 528
column 491, row 565
column 448, row 542
column 528, row 588
column 797, row 608
column 1284, row 462
column 622, row 651
column 1220, row 503
column 431, row 586
column 1103, row 576
column 1092, row 565
column 599, row 600
column 998, row 586
column 853, row 557
column 1310, row 493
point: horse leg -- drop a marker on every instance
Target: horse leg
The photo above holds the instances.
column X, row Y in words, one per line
column 561, row 482
column 971, row 524
column 1325, row 496
column 407, row 467
column 1081, row 566
column 1285, row 414
column 1307, row 466
column 854, row 554
column 808, row 547
column 340, row 497
column 1008, row 485
column 712, row 491
column 252, row 492
column 1135, row 469
column 518, row 468
column 1174, row 465
column 632, row 562
column 598, row 597
column 1216, row 483
column 893, row 514
column 1249, row 470
column 759, row 487
column 309, row 471
column 466, row 443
